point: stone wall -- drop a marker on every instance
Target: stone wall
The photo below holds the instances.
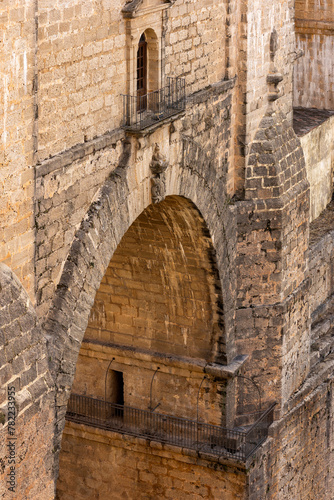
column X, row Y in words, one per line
column 140, row 469
column 196, row 42
column 26, row 398
column 161, row 290
column 175, row 386
column 272, row 316
column 61, row 87
column 79, row 54
column 321, row 261
column 297, row 461
column 17, row 138
column 82, row 72
column 71, row 185
column 280, row 469
column 67, row 184
column 189, row 144
column 262, row 19
column 314, row 73
column 257, row 22
column 65, row 188
column 318, row 148
column 160, row 295
column 84, row 66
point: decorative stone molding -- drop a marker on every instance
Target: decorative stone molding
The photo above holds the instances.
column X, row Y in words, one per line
column 274, row 77
column 158, row 166
column 273, row 44
column 142, row 357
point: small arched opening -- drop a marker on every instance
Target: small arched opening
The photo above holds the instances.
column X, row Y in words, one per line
column 142, row 73
column 148, row 69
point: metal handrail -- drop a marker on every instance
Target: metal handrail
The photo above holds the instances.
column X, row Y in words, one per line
column 183, row 432
column 142, row 111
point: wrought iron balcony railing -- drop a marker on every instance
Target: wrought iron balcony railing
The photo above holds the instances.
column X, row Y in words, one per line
column 143, row 111
column 213, row 439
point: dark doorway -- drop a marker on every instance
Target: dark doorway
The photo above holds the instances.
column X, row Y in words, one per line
column 116, row 387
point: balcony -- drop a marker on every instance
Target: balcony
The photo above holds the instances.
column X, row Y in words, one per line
column 213, row 439
column 140, row 112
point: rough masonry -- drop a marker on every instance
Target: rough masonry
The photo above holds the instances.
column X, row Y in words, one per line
column 166, row 244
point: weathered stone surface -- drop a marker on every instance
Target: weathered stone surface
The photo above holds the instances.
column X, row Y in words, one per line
column 314, row 81
column 318, row 147
column 20, row 355
column 144, row 470
column 272, row 252
column 72, row 184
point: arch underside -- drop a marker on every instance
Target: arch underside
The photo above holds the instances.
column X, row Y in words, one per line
column 161, row 290
column 159, row 298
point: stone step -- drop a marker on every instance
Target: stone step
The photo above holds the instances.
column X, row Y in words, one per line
column 323, row 313
column 322, row 348
column 321, row 329
column 314, row 358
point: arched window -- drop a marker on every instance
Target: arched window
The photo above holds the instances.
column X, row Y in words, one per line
column 142, row 73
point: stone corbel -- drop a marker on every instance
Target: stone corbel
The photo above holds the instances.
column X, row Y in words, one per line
column 220, row 372
column 273, row 79
column 141, row 142
column 158, row 166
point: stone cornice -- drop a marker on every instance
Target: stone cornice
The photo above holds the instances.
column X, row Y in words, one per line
column 132, row 8
column 201, row 366
column 313, row 26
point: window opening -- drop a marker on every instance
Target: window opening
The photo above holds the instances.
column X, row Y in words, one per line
column 142, row 74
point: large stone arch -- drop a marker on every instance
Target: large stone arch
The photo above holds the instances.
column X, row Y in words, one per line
column 118, row 205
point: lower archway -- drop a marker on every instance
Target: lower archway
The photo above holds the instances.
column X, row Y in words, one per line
column 157, row 320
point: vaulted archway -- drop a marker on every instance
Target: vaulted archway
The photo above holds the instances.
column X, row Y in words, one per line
column 163, row 285
column 159, row 298
column 159, row 307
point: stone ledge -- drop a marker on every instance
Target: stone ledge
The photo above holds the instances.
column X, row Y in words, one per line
column 320, row 374
column 216, row 370
column 199, row 97
column 307, row 119
column 314, row 27
column 285, row 304
column 322, row 226
column 215, row 89
column 79, row 151
column 323, row 313
column 151, row 128
column 132, row 8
